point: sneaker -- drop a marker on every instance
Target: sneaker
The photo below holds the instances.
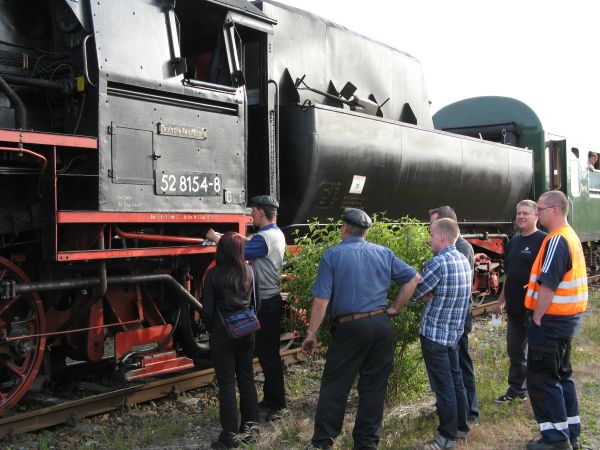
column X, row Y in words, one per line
column 540, row 444
column 473, row 421
column 440, row 443
column 506, row 398
column 462, row 436
column 575, row 443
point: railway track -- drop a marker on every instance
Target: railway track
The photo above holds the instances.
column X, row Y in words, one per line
column 484, row 308
column 99, row 404
column 70, row 411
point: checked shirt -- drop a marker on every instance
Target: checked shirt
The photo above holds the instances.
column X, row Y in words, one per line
column 448, row 277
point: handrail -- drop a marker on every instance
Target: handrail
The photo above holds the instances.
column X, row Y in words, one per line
column 28, row 152
column 85, row 62
column 157, row 237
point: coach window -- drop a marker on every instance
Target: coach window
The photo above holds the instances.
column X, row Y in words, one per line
column 593, row 177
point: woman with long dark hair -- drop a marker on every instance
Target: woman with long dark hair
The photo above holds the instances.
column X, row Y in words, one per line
column 231, row 286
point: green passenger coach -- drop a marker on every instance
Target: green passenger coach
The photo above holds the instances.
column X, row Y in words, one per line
column 558, row 163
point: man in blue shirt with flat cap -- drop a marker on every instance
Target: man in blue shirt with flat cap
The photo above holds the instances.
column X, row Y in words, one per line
column 265, row 252
column 353, row 281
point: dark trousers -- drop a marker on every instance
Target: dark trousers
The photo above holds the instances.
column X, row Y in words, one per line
column 364, row 347
column 466, row 367
column 232, row 360
column 550, row 385
column 267, row 350
column 446, row 382
column 516, row 347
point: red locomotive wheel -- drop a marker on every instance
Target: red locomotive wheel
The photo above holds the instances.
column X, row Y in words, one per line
column 20, row 359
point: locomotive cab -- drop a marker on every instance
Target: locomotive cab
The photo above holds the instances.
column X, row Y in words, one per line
column 170, row 97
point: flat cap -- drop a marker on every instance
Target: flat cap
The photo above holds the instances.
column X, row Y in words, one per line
column 357, row 217
column 264, row 202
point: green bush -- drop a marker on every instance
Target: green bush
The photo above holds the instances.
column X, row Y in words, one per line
column 409, row 240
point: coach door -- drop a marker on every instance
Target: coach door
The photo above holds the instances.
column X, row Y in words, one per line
column 556, row 165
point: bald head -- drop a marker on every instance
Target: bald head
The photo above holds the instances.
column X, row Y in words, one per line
column 555, row 199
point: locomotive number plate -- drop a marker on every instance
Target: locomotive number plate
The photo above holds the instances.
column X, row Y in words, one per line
column 187, row 183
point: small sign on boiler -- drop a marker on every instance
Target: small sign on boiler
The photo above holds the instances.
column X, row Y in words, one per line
column 358, row 183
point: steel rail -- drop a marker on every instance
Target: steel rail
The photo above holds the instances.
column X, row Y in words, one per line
column 485, row 308
column 99, row 404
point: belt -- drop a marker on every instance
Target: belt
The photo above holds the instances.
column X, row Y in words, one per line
column 351, row 317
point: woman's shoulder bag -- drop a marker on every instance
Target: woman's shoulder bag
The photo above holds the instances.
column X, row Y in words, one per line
column 242, row 322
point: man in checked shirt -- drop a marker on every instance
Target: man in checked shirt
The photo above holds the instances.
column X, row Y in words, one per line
column 446, row 286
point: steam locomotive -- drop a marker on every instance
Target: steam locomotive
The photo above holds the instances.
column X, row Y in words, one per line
column 128, row 129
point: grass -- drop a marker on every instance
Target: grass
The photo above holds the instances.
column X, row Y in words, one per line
column 409, row 419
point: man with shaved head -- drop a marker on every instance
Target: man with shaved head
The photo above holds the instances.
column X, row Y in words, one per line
column 446, row 287
column 556, row 297
column 464, row 357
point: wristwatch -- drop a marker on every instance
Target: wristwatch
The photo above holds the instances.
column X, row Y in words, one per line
column 311, row 334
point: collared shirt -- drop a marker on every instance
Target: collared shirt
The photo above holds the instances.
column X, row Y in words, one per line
column 265, row 251
column 355, row 276
column 448, row 276
column 519, row 256
column 257, row 246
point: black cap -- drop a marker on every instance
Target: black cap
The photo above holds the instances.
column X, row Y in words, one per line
column 357, row 217
column 264, row 202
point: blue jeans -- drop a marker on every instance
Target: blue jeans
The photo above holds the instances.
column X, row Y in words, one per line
column 466, row 368
column 516, row 347
column 446, row 382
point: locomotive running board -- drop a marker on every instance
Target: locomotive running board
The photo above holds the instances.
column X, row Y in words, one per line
column 159, row 364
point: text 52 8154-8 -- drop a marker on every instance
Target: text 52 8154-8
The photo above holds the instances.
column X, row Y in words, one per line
column 188, row 183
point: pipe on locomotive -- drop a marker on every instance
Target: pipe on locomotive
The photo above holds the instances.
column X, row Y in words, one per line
column 20, row 111
column 62, row 86
column 157, row 237
column 21, row 150
column 9, row 289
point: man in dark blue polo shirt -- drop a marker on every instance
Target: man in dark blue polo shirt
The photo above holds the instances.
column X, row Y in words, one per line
column 353, row 281
column 520, row 253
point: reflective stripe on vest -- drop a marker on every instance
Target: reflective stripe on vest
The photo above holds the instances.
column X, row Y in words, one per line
column 571, row 295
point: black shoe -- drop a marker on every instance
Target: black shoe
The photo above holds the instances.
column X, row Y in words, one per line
column 575, row 443
column 248, row 433
column 321, row 445
column 274, row 414
column 540, row 444
column 473, row 421
column 220, row 445
column 506, row 398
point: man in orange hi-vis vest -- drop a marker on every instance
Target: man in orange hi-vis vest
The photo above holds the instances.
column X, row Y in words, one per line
column 557, row 295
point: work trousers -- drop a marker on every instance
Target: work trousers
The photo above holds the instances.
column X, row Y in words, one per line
column 466, row 368
column 516, row 347
column 232, row 360
column 445, row 378
column 550, row 385
column 363, row 347
column 267, row 350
